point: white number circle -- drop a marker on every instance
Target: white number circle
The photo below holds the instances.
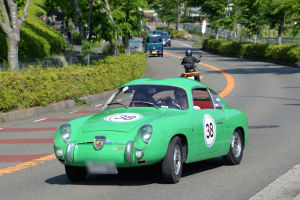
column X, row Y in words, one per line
column 210, row 130
column 123, row 117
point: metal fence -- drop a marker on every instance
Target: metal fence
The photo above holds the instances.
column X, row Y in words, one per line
column 242, row 37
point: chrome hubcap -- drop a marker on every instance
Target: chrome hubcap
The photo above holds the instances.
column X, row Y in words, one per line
column 236, row 145
column 177, row 160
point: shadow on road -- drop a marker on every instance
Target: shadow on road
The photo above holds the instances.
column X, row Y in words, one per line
column 137, row 176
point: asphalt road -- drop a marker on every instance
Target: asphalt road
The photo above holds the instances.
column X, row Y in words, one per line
column 268, row 93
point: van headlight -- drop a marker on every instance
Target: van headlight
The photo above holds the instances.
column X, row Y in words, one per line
column 146, row 133
column 65, row 132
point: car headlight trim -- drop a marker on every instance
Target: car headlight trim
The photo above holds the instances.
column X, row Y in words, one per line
column 65, row 132
column 146, row 132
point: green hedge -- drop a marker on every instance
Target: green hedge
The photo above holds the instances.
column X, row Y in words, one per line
column 255, row 50
column 284, row 52
column 279, row 52
column 212, row 45
column 233, row 48
column 36, row 86
column 33, row 45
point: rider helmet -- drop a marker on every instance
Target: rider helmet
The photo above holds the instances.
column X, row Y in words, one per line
column 188, row 52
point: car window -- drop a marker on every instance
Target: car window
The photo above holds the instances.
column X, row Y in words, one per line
column 216, row 99
column 149, row 96
column 202, row 99
column 154, row 39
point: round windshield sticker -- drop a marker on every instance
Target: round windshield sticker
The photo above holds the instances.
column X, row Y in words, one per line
column 210, row 130
column 124, row 117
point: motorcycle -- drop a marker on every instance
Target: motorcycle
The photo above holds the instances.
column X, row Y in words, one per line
column 191, row 72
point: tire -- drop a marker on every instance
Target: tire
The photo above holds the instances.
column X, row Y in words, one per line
column 174, row 156
column 235, row 154
column 75, row 173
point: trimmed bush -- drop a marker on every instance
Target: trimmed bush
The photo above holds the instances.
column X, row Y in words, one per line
column 36, row 86
column 255, row 50
column 232, row 48
column 293, row 55
column 279, row 52
column 284, row 52
column 212, row 44
column 32, row 45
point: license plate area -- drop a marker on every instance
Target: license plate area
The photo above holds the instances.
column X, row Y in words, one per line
column 154, row 52
column 101, row 168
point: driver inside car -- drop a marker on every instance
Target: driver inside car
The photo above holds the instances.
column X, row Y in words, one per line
column 181, row 99
column 142, row 96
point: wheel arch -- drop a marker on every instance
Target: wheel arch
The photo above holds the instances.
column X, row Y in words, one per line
column 184, row 142
column 241, row 129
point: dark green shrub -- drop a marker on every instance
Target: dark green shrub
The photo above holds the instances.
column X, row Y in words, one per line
column 3, row 47
column 279, row 52
column 212, row 45
column 232, row 48
column 54, row 38
column 293, row 55
column 255, row 50
column 32, row 45
column 36, row 86
column 76, row 37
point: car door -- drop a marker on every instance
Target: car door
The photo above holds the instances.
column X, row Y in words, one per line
column 210, row 122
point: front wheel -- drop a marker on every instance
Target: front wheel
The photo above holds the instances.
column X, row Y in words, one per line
column 75, row 173
column 171, row 166
column 235, row 154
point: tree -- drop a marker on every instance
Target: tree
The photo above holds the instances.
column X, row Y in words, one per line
column 253, row 16
column 278, row 12
column 215, row 12
column 168, row 10
column 11, row 25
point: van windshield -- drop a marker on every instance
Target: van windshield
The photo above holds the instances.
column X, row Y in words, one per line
column 154, row 40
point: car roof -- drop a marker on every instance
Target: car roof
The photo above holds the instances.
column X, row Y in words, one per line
column 185, row 83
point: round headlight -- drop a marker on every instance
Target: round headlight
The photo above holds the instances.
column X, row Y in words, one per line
column 65, row 132
column 146, row 133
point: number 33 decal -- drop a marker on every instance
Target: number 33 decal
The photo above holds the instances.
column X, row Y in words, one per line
column 209, row 130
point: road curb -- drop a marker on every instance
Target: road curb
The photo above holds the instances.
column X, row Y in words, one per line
column 286, row 187
column 63, row 106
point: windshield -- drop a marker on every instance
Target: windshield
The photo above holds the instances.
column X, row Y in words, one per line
column 156, row 96
column 154, row 39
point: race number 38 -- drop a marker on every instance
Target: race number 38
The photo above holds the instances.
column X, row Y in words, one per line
column 210, row 130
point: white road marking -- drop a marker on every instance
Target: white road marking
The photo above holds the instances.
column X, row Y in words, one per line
column 1, row 128
column 98, row 105
column 73, row 112
column 40, row 120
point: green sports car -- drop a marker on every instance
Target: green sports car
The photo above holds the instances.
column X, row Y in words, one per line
column 146, row 121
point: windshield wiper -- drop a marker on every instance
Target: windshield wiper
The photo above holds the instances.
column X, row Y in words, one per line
column 118, row 103
column 145, row 102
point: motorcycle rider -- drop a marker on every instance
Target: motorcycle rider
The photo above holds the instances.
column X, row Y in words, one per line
column 189, row 63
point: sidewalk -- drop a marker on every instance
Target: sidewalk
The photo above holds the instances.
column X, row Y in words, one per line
column 286, row 187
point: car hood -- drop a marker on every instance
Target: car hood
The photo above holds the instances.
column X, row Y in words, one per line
column 121, row 120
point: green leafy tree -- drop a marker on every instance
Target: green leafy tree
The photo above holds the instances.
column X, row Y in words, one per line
column 253, row 16
column 11, row 24
column 279, row 13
